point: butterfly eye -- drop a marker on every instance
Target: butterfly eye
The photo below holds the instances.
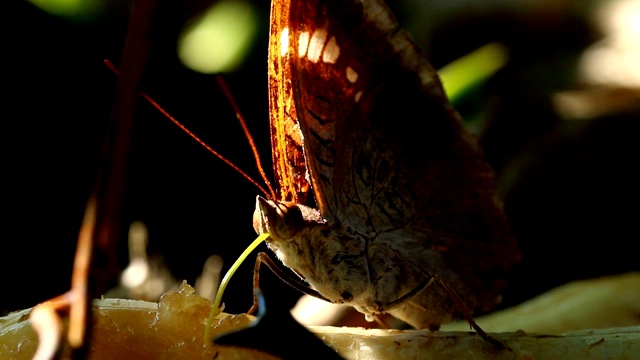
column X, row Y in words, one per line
column 283, row 220
column 289, row 212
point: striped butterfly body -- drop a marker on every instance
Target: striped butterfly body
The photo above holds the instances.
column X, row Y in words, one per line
column 403, row 193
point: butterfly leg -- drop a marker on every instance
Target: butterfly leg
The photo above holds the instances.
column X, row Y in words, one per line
column 423, row 285
column 264, row 258
column 462, row 307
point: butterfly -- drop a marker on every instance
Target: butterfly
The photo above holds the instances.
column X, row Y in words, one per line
column 362, row 129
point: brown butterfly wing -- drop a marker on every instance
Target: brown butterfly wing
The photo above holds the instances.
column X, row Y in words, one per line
column 286, row 139
column 386, row 152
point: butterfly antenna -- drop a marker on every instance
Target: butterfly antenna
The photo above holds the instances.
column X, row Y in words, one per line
column 196, row 138
column 225, row 88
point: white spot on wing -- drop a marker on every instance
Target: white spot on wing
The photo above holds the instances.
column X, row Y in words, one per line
column 303, row 43
column 316, row 44
column 331, row 51
column 284, row 41
column 352, row 75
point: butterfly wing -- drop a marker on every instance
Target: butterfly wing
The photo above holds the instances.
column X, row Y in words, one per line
column 286, row 138
column 386, row 153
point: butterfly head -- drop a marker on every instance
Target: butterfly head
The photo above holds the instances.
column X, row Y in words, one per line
column 283, row 220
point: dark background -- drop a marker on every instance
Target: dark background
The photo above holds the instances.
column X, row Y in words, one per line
column 570, row 187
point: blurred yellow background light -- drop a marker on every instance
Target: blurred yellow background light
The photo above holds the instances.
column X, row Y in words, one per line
column 219, row 39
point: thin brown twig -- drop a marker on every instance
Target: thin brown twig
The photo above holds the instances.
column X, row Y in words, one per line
column 79, row 279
